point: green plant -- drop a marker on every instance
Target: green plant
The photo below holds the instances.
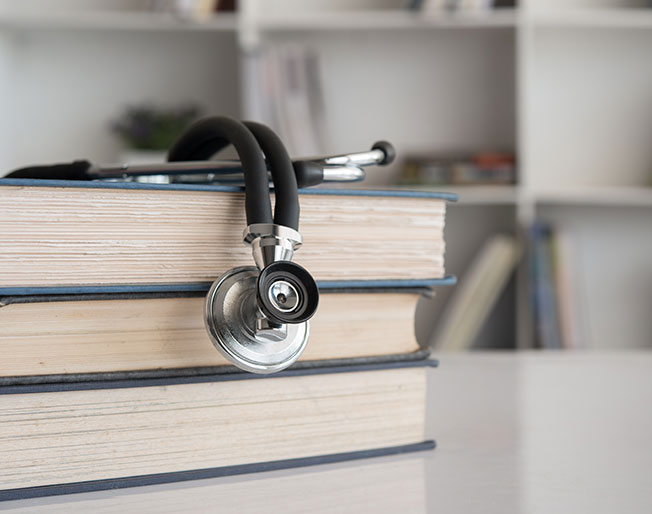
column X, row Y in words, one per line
column 145, row 127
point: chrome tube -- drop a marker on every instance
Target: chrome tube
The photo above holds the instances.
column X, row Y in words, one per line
column 335, row 168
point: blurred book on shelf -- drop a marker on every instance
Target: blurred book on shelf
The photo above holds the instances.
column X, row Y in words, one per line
column 193, row 9
column 478, row 291
column 475, row 6
column 554, row 288
column 292, row 98
column 414, row 5
column 482, row 168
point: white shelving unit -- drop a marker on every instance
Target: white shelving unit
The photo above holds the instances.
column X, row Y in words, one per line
column 566, row 85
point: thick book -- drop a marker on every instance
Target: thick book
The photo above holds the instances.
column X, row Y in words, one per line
column 91, row 435
column 128, row 332
column 66, row 233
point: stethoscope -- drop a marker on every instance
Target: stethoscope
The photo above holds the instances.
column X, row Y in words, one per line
column 256, row 316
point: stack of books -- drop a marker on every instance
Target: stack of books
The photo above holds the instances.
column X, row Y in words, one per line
column 108, row 378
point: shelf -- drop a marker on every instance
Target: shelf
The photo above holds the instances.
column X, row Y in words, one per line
column 327, row 21
column 386, row 20
column 115, row 21
column 592, row 18
column 578, row 196
column 498, row 18
column 476, row 195
column 601, row 196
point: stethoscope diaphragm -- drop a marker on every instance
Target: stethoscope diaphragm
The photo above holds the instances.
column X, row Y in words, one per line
column 241, row 333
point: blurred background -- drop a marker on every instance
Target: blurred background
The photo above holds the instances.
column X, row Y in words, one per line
column 538, row 113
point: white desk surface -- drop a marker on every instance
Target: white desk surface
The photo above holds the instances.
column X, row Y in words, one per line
column 516, row 433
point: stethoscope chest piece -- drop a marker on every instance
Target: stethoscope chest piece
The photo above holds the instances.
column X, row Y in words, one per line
column 242, row 333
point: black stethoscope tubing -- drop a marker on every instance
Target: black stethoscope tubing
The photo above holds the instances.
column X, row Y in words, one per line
column 254, row 142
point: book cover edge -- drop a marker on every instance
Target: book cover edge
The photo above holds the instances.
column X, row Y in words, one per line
column 22, row 182
column 203, row 287
column 122, row 380
column 217, row 472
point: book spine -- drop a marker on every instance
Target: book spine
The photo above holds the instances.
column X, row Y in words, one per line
column 545, row 301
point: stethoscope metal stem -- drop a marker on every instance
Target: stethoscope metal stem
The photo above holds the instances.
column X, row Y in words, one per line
column 335, row 168
column 368, row 158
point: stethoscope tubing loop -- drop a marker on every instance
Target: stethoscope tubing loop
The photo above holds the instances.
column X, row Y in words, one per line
column 210, row 135
column 286, row 211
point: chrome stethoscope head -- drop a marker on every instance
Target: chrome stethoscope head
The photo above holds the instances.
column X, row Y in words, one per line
column 242, row 333
column 257, row 316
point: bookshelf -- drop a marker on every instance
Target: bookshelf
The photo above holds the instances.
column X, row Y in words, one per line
column 563, row 84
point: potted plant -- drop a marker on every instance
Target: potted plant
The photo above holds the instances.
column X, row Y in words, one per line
column 147, row 132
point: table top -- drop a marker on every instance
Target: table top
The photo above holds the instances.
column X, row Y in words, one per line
column 516, row 432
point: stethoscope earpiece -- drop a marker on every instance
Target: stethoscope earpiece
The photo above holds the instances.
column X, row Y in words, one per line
column 257, row 317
